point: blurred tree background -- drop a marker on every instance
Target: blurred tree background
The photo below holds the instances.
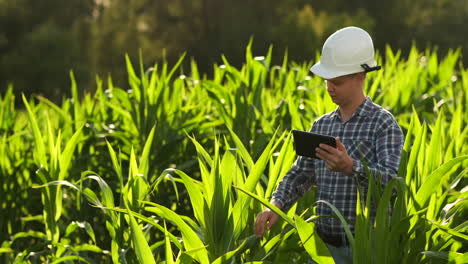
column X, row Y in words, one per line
column 40, row 41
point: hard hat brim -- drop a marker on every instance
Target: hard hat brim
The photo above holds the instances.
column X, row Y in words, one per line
column 326, row 73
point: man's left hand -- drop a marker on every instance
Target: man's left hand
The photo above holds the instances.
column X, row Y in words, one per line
column 336, row 159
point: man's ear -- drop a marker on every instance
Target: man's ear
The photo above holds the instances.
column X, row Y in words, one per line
column 361, row 76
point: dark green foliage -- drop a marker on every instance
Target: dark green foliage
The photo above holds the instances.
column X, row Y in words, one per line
column 40, row 41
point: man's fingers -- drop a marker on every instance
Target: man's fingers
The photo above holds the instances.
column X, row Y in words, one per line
column 321, row 154
column 265, row 219
column 340, row 145
column 259, row 225
column 256, row 225
column 328, row 148
column 272, row 220
column 335, row 158
column 324, row 154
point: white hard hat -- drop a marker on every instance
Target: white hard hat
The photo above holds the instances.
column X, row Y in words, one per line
column 348, row 50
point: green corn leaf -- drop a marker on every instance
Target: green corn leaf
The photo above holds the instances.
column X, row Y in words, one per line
column 116, row 257
column 116, row 164
column 144, row 158
column 54, row 149
column 195, row 191
column 64, row 115
column 70, row 258
column 133, row 79
column 312, row 242
column 434, row 151
column 204, row 156
column 360, row 254
column 412, row 162
column 242, row 203
column 107, row 194
column 6, row 250
column 229, row 171
column 422, row 158
column 40, row 146
column 343, row 221
column 452, row 231
column 190, row 238
column 178, row 63
column 169, row 257
column 274, row 242
column 269, row 205
column 286, row 155
column 434, row 179
column 144, row 77
column 68, row 153
column 87, row 247
column 151, row 221
column 450, row 257
column 194, row 70
column 120, row 110
column 244, row 154
column 241, row 248
column 77, row 109
column 382, row 225
column 142, row 249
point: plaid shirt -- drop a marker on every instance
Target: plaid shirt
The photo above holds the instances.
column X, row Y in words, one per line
column 372, row 135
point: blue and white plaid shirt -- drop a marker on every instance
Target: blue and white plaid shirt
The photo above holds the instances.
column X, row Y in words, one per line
column 372, row 135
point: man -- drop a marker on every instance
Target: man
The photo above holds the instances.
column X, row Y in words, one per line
column 364, row 131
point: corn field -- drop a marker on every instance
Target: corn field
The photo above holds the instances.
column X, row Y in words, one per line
column 174, row 168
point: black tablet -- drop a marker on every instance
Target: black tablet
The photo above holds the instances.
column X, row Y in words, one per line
column 306, row 142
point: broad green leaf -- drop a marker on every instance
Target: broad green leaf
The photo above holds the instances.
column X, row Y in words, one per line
column 382, row 225
column 191, row 240
column 195, row 192
column 87, row 247
column 281, row 163
column 169, row 257
column 242, row 247
column 269, row 205
column 70, row 258
column 68, row 154
column 343, row 221
column 40, row 145
column 116, row 164
column 434, row 179
column 312, row 242
column 144, row 158
column 242, row 150
column 141, row 247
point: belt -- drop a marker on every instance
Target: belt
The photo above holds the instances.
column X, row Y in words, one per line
column 336, row 241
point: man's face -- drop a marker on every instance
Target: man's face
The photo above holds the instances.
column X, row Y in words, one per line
column 344, row 88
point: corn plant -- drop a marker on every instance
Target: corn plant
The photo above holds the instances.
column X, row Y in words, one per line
column 53, row 164
column 421, row 227
column 16, row 171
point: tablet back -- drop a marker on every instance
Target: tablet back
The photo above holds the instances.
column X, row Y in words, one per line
column 306, row 142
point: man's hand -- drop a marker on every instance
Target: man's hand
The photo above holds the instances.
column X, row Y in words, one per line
column 336, row 159
column 267, row 219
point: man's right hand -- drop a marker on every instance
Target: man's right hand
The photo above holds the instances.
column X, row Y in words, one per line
column 266, row 219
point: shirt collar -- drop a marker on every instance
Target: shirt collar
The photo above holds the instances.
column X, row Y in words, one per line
column 362, row 110
column 365, row 107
